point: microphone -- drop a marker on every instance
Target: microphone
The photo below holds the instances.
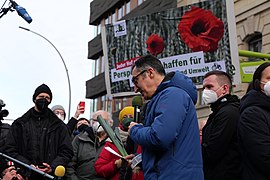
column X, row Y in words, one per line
column 21, row 11
column 137, row 103
column 59, row 172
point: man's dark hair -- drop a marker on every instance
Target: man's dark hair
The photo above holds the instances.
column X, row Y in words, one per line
column 147, row 61
column 223, row 78
column 258, row 75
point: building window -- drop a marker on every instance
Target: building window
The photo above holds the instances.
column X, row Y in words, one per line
column 107, row 20
column 255, row 44
column 128, row 7
column 97, row 67
column 118, row 104
column 120, row 13
column 113, row 17
column 102, row 64
column 98, row 29
column 140, row 2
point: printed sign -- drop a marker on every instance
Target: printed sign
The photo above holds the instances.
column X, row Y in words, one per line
column 192, row 39
column 120, row 28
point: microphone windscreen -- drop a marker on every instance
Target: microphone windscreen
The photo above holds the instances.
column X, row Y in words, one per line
column 137, row 101
column 59, row 171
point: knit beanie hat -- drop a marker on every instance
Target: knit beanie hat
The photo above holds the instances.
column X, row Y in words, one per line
column 58, row 107
column 125, row 111
column 43, row 88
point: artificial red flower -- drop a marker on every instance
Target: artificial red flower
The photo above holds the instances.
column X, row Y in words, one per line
column 155, row 44
column 201, row 30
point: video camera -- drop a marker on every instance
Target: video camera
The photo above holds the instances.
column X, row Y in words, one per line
column 4, row 112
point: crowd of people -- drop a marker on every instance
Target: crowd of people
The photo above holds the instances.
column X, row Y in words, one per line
column 167, row 143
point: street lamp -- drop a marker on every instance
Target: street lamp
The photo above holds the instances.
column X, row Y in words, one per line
column 62, row 61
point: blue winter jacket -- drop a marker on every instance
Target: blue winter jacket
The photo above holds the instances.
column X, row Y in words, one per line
column 170, row 135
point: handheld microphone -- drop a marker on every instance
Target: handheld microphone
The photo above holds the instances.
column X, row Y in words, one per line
column 59, row 172
column 21, row 11
column 137, row 103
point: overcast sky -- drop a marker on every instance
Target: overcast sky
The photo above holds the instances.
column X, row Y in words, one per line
column 27, row 60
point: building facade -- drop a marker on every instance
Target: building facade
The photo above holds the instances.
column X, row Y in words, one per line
column 253, row 33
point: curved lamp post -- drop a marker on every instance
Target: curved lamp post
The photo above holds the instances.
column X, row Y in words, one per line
column 62, row 61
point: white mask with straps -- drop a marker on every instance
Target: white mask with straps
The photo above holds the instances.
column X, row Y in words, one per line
column 266, row 88
column 209, row 96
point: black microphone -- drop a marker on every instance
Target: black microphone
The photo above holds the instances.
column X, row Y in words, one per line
column 21, row 11
column 137, row 103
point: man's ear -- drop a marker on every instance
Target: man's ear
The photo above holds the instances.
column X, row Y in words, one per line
column 226, row 89
column 151, row 72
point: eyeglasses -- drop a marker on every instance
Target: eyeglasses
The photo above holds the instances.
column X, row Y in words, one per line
column 135, row 78
column 59, row 113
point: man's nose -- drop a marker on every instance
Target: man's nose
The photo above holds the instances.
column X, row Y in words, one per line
column 136, row 89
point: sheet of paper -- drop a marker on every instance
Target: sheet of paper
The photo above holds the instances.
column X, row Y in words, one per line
column 112, row 151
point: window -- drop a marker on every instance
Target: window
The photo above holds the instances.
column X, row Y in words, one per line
column 128, row 7
column 97, row 67
column 120, row 13
column 255, row 44
column 107, row 20
column 140, row 2
column 98, row 29
column 113, row 18
column 102, row 64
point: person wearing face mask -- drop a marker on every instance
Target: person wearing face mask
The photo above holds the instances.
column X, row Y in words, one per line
column 60, row 112
column 220, row 148
column 82, row 125
column 254, row 126
column 38, row 138
column 87, row 146
column 111, row 166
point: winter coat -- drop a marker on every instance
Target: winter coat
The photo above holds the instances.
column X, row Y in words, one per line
column 105, row 165
column 86, row 152
column 220, row 148
column 4, row 129
column 170, row 137
column 54, row 143
column 254, row 135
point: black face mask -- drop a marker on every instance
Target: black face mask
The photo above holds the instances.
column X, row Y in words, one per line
column 82, row 127
column 42, row 104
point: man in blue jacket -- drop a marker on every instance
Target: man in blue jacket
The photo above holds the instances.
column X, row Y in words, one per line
column 170, row 134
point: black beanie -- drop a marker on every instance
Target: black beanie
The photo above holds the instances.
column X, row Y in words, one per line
column 43, row 88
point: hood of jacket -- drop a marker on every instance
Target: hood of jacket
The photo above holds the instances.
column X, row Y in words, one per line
column 255, row 98
column 179, row 80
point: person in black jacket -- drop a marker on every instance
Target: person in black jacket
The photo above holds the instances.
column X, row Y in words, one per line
column 39, row 138
column 254, row 126
column 220, row 148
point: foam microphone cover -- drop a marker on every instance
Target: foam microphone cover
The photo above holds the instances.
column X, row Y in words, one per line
column 137, row 101
column 60, row 171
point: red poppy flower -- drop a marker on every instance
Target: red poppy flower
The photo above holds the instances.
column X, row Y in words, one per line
column 155, row 44
column 201, row 30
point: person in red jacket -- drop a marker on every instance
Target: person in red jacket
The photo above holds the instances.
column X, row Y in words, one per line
column 109, row 165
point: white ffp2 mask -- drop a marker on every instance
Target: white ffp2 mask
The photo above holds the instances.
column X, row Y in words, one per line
column 209, row 96
column 266, row 88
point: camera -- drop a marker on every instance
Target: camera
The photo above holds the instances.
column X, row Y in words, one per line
column 4, row 112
